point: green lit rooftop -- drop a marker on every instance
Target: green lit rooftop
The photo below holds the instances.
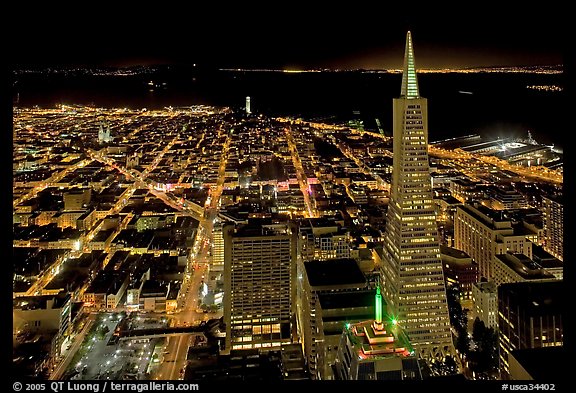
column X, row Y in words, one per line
column 379, row 338
column 376, row 341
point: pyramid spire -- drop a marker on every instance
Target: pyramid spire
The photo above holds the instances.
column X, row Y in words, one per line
column 409, row 81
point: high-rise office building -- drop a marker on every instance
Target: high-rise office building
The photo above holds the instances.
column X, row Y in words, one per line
column 553, row 218
column 248, row 110
column 334, row 292
column 530, row 315
column 217, row 246
column 413, row 280
column 259, row 285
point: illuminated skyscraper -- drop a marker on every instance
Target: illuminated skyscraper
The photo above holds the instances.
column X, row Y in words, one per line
column 248, row 105
column 259, row 284
column 413, row 280
column 217, row 246
column 553, row 207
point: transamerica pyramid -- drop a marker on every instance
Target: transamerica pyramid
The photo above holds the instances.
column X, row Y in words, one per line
column 412, row 276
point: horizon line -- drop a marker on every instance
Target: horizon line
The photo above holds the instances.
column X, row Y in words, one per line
column 555, row 68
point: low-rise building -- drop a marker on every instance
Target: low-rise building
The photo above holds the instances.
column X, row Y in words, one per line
column 153, row 296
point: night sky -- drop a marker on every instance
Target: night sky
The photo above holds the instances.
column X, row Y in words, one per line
column 287, row 36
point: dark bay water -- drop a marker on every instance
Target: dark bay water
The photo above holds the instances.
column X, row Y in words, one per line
column 500, row 103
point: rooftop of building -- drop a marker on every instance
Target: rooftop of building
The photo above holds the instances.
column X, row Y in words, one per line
column 482, row 145
column 45, row 233
column 522, row 230
column 503, row 190
column 173, row 292
column 239, row 212
column 107, row 282
column 486, row 286
column 542, row 363
column 558, row 198
column 154, row 288
column 262, row 227
column 186, row 222
column 520, row 214
column 481, row 213
column 334, row 272
column 464, row 182
column 379, row 341
column 449, row 199
column 40, row 302
column 119, row 257
column 367, row 231
column 293, row 362
column 19, row 286
column 524, row 266
column 234, row 191
column 544, row 258
column 318, row 222
column 240, row 365
column 68, row 280
column 85, row 260
column 346, row 299
column 359, row 176
column 453, row 252
column 338, row 232
column 33, row 260
column 516, row 151
column 536, row 297
column 102, row 235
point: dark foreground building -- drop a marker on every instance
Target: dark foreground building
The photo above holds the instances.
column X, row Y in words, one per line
column 530, row 315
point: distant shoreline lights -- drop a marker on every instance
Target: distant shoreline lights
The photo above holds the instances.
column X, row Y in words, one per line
column 552, row 88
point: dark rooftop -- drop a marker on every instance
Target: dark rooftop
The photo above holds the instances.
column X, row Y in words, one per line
column 542, row 363
column 261, row 227
column 537, row 297
column 332, row 272
column 153, row 288
column 348, row 299
column 453, row 252
column 67, row 280
column 544, row 258
column 39, row 302
column 318, row 222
